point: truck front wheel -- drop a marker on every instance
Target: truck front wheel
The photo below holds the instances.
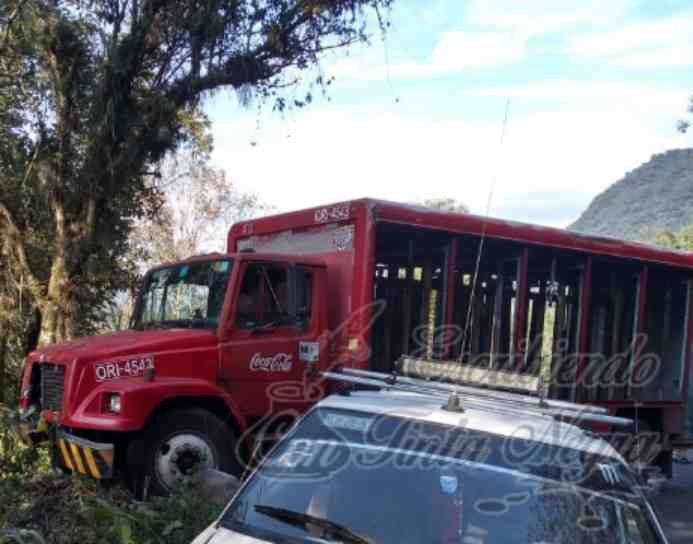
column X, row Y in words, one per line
column 174, row 446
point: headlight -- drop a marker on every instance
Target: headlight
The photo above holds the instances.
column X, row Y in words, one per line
column 113, row 403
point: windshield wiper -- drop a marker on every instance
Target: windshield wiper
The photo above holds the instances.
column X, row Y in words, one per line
column 299, row 519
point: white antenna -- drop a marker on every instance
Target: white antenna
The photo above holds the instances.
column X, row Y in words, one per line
column 494, row 179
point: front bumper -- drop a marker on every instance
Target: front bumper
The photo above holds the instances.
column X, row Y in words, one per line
column 77, row 454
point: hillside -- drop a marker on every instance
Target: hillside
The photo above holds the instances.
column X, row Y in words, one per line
column 656, row 196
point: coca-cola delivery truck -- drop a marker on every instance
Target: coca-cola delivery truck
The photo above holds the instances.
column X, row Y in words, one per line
column 222, row 347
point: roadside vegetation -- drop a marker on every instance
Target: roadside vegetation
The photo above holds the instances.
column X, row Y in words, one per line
column 104, row 169
column 41, row 505
column 681, row 240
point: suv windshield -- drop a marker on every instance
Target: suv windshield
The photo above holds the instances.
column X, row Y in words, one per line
column 184, row 295
column 350, row 477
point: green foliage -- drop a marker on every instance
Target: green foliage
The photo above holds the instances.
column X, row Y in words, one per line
column 93, row 95
column 65, row 510
column 684, row 124
column 20, row 536
column 19, row 464
column 173, row 520
column 682, row 240
column 14, row 326
column 17, row 460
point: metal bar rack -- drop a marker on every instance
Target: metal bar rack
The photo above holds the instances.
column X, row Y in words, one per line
column 480, row 398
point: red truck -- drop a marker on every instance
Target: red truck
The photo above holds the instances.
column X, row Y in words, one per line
column 224, row 349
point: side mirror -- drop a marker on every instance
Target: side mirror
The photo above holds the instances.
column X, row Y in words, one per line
column 217, row 486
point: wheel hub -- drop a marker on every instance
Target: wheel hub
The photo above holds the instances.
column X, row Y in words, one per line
column 181, row 456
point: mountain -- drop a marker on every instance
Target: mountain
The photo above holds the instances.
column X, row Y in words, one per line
column 656, row 196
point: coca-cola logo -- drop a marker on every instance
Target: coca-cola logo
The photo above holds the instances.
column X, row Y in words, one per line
column 281, row 362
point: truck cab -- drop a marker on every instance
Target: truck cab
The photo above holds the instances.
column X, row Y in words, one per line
column 216, row 344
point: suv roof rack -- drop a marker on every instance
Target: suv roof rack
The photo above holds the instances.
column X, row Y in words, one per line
column 480, row 398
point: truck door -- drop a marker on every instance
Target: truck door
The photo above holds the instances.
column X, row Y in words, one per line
column 273, row 344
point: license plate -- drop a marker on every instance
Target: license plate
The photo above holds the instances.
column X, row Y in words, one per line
column 130, row 367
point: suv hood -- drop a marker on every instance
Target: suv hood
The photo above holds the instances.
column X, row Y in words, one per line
column 130, row 342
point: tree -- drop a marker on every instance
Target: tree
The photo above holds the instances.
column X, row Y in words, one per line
column 684, row 124
column 681, row 240
column 94, row 94
column 199, row 204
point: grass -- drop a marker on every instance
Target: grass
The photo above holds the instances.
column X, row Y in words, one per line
column 39, row 505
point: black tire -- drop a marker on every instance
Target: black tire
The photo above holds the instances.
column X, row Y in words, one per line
column 649, row 450
column 665, row 462
column 146, row 453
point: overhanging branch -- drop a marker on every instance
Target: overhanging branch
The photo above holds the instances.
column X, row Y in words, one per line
column 237, row 71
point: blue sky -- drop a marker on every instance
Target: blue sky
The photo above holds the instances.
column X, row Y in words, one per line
column 594, row 87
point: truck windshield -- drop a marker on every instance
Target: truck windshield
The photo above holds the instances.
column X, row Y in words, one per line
column 351, row 477
column 185, row 295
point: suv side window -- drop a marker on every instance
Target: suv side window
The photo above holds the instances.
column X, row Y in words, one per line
column 264, row 297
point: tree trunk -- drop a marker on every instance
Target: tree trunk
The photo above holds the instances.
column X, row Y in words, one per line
column 56, row 315
column 56, row 321
column 3, row 368
column 33, row 331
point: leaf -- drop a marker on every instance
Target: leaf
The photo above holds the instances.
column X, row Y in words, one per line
column 176, row 525
column 125, row 530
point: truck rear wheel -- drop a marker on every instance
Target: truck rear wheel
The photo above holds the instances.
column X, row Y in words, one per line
column 174, row 446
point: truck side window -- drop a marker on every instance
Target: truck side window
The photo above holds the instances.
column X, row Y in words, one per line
column 263, row 298
column 303, row 304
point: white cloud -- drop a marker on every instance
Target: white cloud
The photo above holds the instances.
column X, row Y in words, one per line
column 636, row 35
column 535, row 17
column 628, row 97
column 551, row 164
column 549, row 167
column 664, row 56
column 458, row 50
column 662, row 42
column 454, row 52
column 491, row 35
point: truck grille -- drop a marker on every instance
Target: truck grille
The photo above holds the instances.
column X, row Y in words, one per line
column 52, row 385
